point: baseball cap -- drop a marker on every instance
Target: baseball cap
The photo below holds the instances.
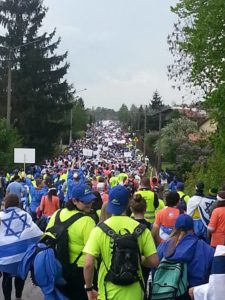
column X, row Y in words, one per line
column 184, row 222
column 118, row 200
column 83, row 193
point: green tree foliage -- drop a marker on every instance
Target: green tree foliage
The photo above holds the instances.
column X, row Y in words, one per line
column 211, row 173
column 40, row 94
column 123, row 115
column 177, row 148
column 155, row 108
column 134, row 118
column 9, row 139
column 151, row 140
column 102, row 113
column 156, row 103
column 197, row 44
column 199, row 39
column 80, row 118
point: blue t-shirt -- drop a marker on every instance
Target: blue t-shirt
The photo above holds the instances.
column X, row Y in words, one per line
column 16, row 188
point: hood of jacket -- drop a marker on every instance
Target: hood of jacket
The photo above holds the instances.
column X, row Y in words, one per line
column 184, row 251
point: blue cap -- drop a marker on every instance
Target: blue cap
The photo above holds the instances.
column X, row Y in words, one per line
column 37, row 176
column 83, row 193
column 184, row 222
column 118, row 200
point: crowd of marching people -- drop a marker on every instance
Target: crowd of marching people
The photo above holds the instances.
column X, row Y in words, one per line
column 94, row 223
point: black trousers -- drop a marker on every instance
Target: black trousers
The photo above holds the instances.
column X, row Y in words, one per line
column 7, row 286
column 74, row 289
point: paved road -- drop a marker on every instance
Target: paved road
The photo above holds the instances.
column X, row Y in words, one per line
column 30, row 292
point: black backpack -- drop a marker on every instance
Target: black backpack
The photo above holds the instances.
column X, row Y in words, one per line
column 182, row 206
column 59, row 242
column 125, row 262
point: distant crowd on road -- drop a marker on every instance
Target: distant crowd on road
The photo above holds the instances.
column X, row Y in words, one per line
column 98, row 223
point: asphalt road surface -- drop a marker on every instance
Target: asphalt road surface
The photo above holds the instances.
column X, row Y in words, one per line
column 30, row 291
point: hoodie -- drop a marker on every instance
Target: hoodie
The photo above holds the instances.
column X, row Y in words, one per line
column 196, row 253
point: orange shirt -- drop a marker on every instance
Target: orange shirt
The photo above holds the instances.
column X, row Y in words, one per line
column 48, row 207
column 217, row 222
column 167, row 217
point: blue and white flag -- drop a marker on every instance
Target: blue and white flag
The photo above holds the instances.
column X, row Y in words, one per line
column 205, row 209
column 215, row 289
column 17, row 233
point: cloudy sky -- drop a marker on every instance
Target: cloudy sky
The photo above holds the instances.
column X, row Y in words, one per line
column 117, row 48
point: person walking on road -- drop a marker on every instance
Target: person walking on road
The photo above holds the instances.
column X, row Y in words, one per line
column 118, row 232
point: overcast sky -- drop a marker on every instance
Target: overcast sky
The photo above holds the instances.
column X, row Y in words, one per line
column 117, row 48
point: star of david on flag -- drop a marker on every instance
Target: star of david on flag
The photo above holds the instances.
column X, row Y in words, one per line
column 19, row 226
column 17, row 233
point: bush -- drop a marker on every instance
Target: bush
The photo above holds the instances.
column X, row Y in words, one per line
column 9, row 139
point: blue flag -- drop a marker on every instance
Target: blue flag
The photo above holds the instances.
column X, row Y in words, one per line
column 17, row 233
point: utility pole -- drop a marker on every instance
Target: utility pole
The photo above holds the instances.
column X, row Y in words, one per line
column 9, row 90
column 71, row 125
column 145, row 129
column 159, row 141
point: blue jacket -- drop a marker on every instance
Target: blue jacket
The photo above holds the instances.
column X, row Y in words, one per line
column 36, row 196
column 47, row 271
column 196, row 253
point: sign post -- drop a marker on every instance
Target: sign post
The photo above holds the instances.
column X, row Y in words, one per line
column 24, row 156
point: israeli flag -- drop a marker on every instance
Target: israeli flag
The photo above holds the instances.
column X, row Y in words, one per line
column 17, row 233
column 205, row 209
column 215, row 289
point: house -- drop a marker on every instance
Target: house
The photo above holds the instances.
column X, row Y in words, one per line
column 208, row 126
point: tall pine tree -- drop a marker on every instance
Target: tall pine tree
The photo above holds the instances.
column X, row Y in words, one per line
column 156, row 103
column 40, row 94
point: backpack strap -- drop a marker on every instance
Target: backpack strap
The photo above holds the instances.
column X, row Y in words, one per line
column 156, row 201
column 66, row 224
column 69, row 221
column 109, row 231
column 139, row 230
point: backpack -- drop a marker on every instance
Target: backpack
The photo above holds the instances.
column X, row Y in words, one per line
column 125, row 262
column 182, row 206
column 170, row 280
column 59, row 242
